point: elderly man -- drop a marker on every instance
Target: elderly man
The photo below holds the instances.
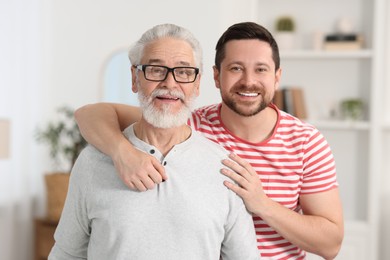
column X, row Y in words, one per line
column 193, row 216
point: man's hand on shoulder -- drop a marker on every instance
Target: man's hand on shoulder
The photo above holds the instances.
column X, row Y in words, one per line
column 138, row 170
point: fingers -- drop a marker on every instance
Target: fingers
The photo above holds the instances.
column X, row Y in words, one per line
column 140, row 171
column 239, row 166
column 161, row 176
column 144, row 185
column 235, row 188
column 143, row 181
column 242, row 163
column 234, row 176
column 147, row 180
column 240, row 172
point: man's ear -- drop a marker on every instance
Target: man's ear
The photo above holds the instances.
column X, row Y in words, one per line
column 278, row 76
column 134, row 85
column 197, row 84
column 216, row 77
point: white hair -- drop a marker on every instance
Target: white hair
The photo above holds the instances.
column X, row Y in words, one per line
column 166, row 30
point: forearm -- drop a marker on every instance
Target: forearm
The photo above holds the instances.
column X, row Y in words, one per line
column 320, row 230
column 99, row 125
column 312, row 233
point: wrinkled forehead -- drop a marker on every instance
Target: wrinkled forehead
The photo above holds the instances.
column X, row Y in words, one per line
column 168, row 50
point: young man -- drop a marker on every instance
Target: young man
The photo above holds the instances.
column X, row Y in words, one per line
column 287, row 175
column 192, row 216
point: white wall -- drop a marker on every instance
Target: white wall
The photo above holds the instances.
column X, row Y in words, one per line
column 385, row 208
column 85, row 34
column 22, row 99
column 53, row 52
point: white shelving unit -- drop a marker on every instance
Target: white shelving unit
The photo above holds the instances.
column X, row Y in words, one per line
column 328, row 77
column 318, row 54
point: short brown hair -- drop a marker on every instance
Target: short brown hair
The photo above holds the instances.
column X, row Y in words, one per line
column 243, row 31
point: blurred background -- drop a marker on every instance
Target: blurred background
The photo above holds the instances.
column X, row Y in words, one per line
column 57, row 53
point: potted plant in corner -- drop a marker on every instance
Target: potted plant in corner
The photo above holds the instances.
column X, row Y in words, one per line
column 285, row 32
column 65, row 144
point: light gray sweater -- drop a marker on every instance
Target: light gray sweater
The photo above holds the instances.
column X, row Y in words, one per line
column 192, row 215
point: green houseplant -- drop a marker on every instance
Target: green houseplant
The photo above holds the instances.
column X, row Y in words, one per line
column 65, row 144
column 352, row 109
column 285, row 24
column 63, row 138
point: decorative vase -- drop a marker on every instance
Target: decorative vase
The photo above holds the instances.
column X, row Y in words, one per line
column 285, row 40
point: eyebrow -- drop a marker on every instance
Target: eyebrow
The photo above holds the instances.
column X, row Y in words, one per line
column 263, row 64
column 151, row 61
column 242, row 64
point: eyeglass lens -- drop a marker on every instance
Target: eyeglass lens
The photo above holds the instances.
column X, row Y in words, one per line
column 160, row 73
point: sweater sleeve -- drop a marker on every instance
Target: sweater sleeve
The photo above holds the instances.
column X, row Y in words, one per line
column 240, row 236
column 73, row 231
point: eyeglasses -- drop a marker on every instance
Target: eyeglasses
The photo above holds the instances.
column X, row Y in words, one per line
column 160, row 73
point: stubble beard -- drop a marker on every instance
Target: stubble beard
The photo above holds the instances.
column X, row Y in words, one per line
column 163, row 117
column 243, row 109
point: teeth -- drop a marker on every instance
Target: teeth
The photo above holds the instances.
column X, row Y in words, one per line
column 172, row 98
column 248, row 94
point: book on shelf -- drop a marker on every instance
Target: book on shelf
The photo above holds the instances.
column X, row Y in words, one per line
column 342, row 46
column 343, row 42
column 291, row 100
column 341, row 37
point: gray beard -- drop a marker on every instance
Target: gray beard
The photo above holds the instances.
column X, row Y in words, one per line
column 164, row 118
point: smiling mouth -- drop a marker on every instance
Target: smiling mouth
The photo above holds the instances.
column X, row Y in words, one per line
column 167, row 98
column 248, row 94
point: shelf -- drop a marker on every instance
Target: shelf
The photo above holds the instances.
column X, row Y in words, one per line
column 341, row 125
column 321, row 54
column 330, row 76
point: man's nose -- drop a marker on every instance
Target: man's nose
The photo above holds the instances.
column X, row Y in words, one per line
column 248, row 78
column 170, row 79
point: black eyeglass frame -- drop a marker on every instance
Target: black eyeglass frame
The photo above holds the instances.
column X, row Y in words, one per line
column 143, row 68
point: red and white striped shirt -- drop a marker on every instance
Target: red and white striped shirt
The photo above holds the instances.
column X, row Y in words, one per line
column 295, row 160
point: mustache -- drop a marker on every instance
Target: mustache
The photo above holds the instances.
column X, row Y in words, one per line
column 243, row 88
column 166, row 92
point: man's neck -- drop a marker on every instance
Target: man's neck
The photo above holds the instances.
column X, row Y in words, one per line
column 161, row 138
column 254, row 129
